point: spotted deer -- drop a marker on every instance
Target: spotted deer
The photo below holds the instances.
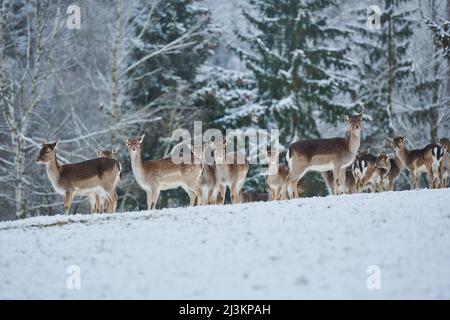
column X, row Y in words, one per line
column 107, row 205
column 334, row 154
column 444, row 170
column 231, row 170
column 390, row 170
column 278, row 184
column 97, row 176
column 366, row 174
column 155, row 176
column 418, row 161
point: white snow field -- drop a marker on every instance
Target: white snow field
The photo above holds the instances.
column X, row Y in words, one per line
column 299, row 249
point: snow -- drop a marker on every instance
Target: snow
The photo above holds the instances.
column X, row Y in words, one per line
column 303, row 248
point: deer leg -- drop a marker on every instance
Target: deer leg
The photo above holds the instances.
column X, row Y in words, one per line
column 431, row 177
column 222, row 193
column 337, row 180
column 342, row 179
column 149, row 200
column 414, row 180
column 155, row 197
column 68, row 201
column 92, row 200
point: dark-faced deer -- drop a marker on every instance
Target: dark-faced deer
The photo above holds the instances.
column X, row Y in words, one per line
column 97, row 176
column 231, row 170
column 155, row 176
column 334, row 154
column 444, row 170
column 367, row 175
column 418, row 161
column 106, row 205
column 390, row 171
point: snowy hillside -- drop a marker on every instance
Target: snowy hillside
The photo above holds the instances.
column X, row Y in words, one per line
column 307, row 248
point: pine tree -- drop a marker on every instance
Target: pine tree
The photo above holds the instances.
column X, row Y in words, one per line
column 184, row 37
column 385, row 65
column 298, row 75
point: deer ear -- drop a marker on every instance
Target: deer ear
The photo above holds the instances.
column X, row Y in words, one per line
column 125, row 139
column 360, row 115
column 114, row 151
column 141, row 138
column 54, row 144
column 345, row 117
column 99, row 153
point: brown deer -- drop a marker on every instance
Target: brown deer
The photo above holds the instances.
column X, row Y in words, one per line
column 334, row 154
column 208, row 182
column 390, row 171
column 107, row 205
column 252, row 196
column 278, row 184
column 444, row 170
column 350, row 185
column 418, row 161
column 366, row 174
column 97, row 176
column 231, row 170
column 155, row 176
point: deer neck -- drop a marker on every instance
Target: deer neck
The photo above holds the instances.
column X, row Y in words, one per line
column 52, row 167
column 137, row 165
column 354, row 141
column 402, row 155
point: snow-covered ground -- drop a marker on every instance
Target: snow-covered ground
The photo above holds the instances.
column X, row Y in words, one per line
column 306, row 248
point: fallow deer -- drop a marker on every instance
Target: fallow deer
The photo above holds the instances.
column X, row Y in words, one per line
column 390, row 171
column 334, row 154
column 445, row 164
column 155, row 176
column 107, row 205
column 231, row 170
column 366, row 174
column 252, row 196
column 208, row 182
column 418, row 161
column 96, row 176
column 278, row 184
column 350, row 185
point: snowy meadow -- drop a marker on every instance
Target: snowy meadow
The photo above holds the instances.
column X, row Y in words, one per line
column 240, row 149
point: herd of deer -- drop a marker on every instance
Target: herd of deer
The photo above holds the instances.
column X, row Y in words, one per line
column 343, row 169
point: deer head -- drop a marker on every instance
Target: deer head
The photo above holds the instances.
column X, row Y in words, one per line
column 107, row 153
column 445, row 143
column 382, row 161
column 354, row 122
column 399, row 143
column 134, row 144
column 47, row 152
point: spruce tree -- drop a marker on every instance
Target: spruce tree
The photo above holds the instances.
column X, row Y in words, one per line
column 299, row 75
column 385, row 64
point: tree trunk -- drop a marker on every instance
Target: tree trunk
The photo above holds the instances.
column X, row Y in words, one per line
column 434, row 110
column 115, row 69
column 390, row 84
column 448, row 61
